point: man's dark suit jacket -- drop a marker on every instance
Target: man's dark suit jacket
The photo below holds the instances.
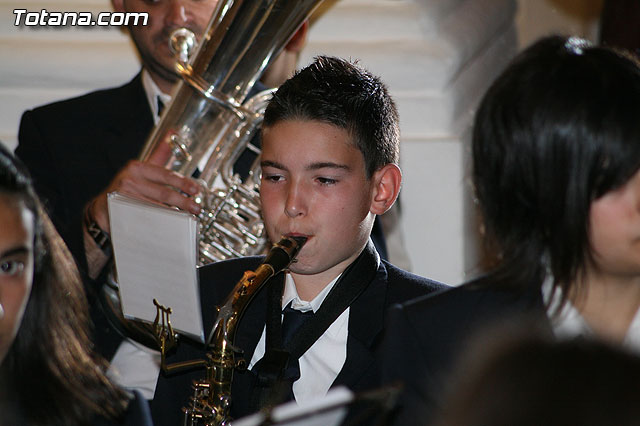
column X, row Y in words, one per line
column 73, row 149
column 366, row 322
column 431, row 332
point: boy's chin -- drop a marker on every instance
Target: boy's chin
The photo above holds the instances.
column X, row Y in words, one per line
column 300, row 269
column 305, row 267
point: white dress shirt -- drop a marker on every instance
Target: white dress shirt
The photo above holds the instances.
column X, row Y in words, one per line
column 568, row 323
column 320, row 365
column 153, row 93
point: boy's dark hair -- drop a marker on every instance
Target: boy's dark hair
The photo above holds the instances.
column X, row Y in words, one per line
column 558, row 129
column 337, row 92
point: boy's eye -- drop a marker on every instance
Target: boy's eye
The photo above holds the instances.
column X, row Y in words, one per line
column 11, row 267
column 271, row 177
column 327, row 181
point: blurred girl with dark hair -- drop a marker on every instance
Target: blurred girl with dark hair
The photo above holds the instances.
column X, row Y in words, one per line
column 556, row 159
column 48, row 373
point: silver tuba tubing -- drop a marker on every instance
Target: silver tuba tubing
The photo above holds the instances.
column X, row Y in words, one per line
column 231, row 223
column 208, row 124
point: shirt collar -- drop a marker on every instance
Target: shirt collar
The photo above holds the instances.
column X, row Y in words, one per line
column 153, row 92
column 568, row 323
column 290, row 294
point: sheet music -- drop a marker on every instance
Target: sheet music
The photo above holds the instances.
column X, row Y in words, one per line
column 329, row 410
column 155, row 250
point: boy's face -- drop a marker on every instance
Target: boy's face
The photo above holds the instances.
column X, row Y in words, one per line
column 314, row 184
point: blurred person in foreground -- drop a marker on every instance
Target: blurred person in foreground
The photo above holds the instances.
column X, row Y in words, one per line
column 526, row 378
column 49, row 374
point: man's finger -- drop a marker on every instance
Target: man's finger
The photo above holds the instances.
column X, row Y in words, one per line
column 164, row 194
column 160, row 155
column 160, row 175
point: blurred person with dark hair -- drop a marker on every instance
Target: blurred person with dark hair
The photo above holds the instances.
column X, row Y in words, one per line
column 531, row 379
column 556, row 159
column 49, row 374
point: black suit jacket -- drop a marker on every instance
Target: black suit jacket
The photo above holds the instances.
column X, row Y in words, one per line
column 73, row 148
column 431, row 332
column 366, row 323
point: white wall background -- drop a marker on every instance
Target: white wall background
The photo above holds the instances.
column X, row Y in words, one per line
column 437, row 57
column 536, row 18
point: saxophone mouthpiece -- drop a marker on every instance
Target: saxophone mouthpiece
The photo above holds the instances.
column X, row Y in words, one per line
column 300, row 241
column 284, row 251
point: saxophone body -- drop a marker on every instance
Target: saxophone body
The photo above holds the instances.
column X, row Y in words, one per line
column 212, row 395
column 209, row 122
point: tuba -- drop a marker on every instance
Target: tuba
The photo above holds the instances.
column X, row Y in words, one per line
column 209, row 122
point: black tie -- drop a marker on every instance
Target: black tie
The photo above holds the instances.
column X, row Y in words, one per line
column 160, row 106
column 291, row 322
column 276, row 371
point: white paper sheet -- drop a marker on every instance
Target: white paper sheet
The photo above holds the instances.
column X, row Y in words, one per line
column 155, row 249
column 329, row 410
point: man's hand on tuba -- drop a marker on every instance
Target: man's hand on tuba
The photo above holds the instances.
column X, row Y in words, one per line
column 149, row 181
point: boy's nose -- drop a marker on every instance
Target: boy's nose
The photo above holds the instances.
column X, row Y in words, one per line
column 295, row 204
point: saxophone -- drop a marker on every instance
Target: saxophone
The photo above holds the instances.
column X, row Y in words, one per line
column 212, row 395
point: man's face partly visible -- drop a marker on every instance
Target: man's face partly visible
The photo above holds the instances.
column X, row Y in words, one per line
column 165, row 16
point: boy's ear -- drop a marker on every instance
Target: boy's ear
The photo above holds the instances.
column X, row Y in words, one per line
column 387, row 182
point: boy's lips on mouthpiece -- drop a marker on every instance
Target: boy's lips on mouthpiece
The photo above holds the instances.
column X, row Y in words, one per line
column 297, row 234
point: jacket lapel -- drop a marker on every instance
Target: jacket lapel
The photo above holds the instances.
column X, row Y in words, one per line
column 130, row 123
column 366, row 321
